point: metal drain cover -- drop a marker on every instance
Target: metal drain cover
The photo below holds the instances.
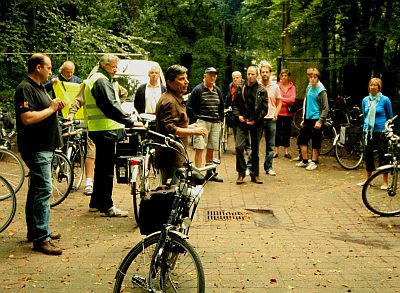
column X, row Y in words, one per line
column 227, row 216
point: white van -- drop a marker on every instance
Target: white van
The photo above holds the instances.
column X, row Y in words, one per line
column 131, row 74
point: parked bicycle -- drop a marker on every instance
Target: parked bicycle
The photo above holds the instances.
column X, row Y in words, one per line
column 378, row 198
column 164, row 261
column 136, row 162
column 349, row 143
column 8, row 203
column 11, row 166
column 75, row 141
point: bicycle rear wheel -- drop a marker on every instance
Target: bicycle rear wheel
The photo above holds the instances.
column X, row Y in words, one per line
column 62, row 176
column 383, row 202
column 328, row 136
column 12, row 169
column 8, row 203
column 349, row 156
column 298, row 117
column 178, row 263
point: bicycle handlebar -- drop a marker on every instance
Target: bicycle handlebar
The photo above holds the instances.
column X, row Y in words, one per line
column 389, row 125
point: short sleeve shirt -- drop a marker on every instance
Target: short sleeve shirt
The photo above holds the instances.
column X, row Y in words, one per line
column 41, row 136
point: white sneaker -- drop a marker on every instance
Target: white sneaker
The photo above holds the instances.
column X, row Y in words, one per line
column 114, row 212
column 247, row 172
column 301, row 164
column 88, row 190
column 311, row 166
column 384, row 187
column 271, row 172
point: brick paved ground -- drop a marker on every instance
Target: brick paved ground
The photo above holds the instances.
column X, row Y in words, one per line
column 306, row 232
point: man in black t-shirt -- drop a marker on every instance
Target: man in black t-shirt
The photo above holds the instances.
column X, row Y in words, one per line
column 38, row 135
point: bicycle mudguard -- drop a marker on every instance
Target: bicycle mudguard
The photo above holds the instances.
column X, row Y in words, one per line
column 385, row 167
column 177, row 233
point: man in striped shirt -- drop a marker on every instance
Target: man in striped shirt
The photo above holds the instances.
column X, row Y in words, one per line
column 205, row 107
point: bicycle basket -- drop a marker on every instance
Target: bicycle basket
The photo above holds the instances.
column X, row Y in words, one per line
column 350, row 134
column 155, row 208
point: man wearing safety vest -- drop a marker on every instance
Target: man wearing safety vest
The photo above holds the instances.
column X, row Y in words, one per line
column 106, row 122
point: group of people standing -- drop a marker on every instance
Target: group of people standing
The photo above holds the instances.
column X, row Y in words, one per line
column 258, row 105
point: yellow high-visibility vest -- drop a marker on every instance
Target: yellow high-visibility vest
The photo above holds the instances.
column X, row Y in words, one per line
column 96, row 120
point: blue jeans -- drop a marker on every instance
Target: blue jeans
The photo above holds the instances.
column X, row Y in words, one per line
column 269, row 132
column 242, row 133
column 37, row 210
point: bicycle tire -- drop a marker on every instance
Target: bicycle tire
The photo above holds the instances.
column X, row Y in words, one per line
column 8, row 203
column 382, row 202
column 348, row 156
column 187, row 274
column 12, row 169
column 328, row 136
column 78, row 163
column 135, row 190
column 297, row 118
column 62, row 175
column 225, row 138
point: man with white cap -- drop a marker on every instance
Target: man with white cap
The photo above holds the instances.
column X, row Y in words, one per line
column 205, row 107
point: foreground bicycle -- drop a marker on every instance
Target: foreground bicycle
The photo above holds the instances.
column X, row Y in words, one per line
column 164, row 261
column 8, row 203
column 378, row 198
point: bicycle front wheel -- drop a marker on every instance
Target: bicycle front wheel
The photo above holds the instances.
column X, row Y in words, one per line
column 178, row 268
column 328, row 137
column 12, row 169
column 383, row 202
column 8, row 203
column 349, row 156
column 78, row 163
column 62, row 176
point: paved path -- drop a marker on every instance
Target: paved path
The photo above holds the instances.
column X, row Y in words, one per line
column 300, row 231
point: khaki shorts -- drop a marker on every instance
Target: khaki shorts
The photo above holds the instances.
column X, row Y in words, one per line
column 91, row 149
column 211, row 139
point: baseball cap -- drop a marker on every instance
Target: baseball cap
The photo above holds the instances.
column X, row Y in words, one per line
column 211, row 70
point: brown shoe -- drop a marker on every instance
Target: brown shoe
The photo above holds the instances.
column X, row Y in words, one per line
column 46, row 247
column 240, row 179
column 256, row 179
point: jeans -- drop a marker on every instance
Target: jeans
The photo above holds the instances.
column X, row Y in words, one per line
column 103, row 181
column 270, row 131
column 242, row 132
column 37, row 210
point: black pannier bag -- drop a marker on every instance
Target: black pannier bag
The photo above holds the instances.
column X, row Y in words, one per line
column 350, row 134
column 155, row 208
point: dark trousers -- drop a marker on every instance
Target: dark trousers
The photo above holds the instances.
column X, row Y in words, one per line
column 379, row 143
column 283, row 131
column 242, row 132
column 103, row 171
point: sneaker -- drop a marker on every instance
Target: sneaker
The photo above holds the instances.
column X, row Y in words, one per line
column 311, row 166
column 247, row 172
column 114, row 212
column 298, row 158
column 287, row 156
column 275, row 156
column 271, row 172
column 384, row 187
column 215, row 178
column 46, row 247
column 88, row 190
column 301, row 164
column 240, row 179
column 361, row 183
column 256, row 179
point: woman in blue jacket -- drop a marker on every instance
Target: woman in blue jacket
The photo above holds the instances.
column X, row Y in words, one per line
column 377, row 109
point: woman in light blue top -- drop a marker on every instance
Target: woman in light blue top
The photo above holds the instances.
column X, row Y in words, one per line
column 377, row 109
